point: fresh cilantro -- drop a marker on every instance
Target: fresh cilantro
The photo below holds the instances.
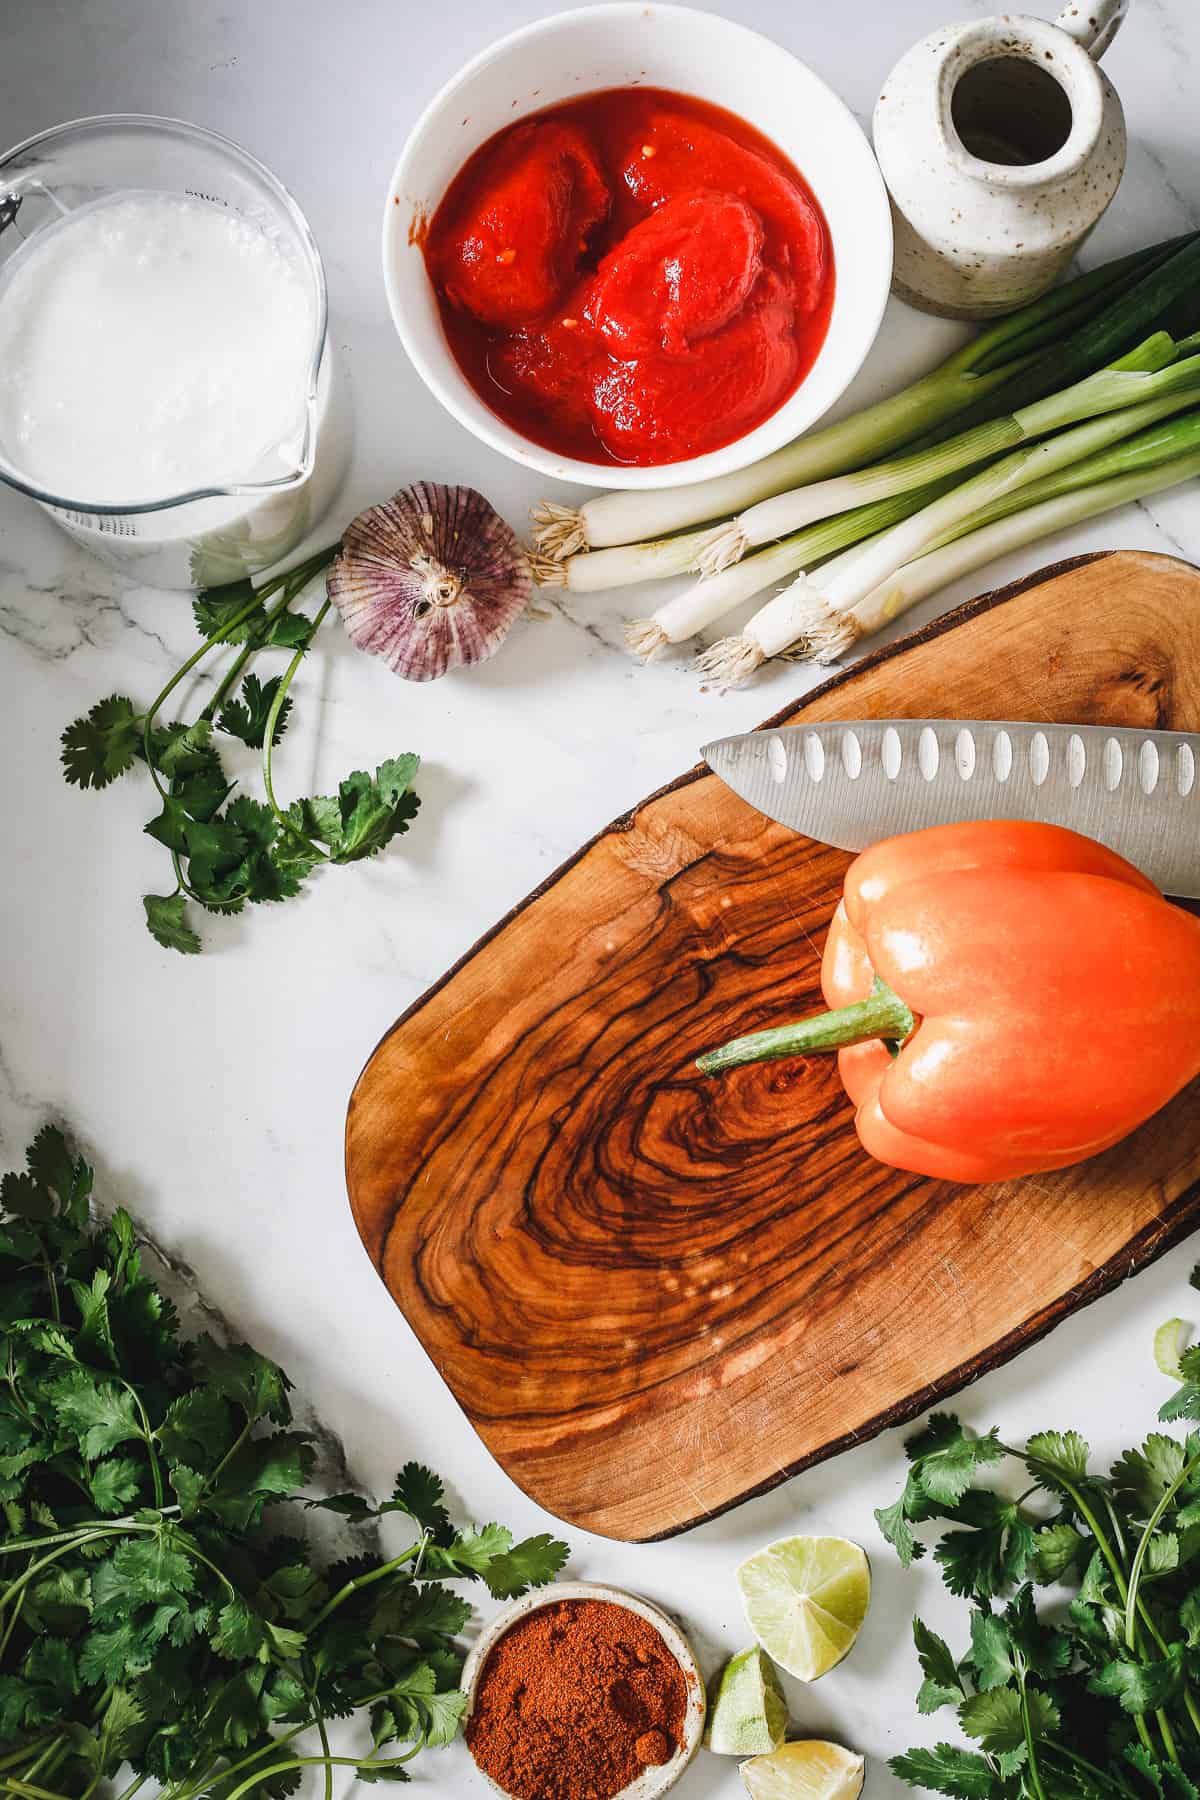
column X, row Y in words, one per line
column 155, row 1613
column 367, row 813
column 227, row 849
column 103, row 744
column 246, row 718
column 948, row 1770
column 168, row 926
column 1092, row 1692
column 943, row 1684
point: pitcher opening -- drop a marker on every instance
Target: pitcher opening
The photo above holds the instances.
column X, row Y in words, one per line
column 1011, row 111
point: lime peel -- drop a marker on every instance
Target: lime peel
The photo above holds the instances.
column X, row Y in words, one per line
column 748, row 1713
column 807, row 1770
column 1170, row 1342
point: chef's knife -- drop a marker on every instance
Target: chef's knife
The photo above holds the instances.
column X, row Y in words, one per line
column 854, row 781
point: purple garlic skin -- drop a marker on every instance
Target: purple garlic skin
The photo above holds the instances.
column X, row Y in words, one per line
column 431, row 580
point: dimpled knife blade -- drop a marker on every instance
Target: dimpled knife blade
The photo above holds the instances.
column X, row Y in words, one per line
column 851, row 782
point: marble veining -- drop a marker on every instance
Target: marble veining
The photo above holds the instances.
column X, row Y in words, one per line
column 211, row 1092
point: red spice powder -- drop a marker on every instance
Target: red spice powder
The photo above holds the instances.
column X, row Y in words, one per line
column 575, row 1701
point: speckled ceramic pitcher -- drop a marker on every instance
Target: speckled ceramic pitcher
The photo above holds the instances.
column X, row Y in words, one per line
column 1001, row 143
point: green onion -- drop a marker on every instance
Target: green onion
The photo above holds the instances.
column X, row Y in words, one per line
column 1063, row 335
column 916, row 580
column 709, row 599
column 878, row 560
column 1138, row 376
column 622, row 566
column 792, row 625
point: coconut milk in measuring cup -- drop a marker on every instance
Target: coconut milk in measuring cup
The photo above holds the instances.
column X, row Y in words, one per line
column 166, row 385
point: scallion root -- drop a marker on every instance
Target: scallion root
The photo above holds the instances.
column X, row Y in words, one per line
column 730, row 662
column 559, row 532
column 646, row 638
column 723, row 546
column 830, row 641
column 546, row 570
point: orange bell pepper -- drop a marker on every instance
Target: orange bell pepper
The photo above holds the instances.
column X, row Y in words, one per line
column 1009, row 997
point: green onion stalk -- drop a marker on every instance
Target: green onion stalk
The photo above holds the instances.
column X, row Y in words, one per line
column 1059, row 338
column 1075, row 476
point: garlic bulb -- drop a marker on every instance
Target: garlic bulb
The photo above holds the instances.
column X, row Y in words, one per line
column 431, row 580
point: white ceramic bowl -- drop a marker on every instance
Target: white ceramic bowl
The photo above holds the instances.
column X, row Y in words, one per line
column 651, row 1782
column 691, row 52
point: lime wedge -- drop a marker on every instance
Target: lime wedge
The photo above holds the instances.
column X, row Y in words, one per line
column 747, row 1713
column 1170, row 1342
column 805, row 1771
column 806, row 1599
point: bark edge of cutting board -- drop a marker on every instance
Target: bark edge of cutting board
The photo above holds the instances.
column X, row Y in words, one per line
column 655, row 1295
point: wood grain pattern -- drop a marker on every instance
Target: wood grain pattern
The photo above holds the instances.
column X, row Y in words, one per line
column 653, row 1294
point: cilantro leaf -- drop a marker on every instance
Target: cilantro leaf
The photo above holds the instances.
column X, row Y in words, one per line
column 1142, row 1477
column 367, row 813
column 942, row 1685
column 981, row 1562
column 531, row 1563
column 946, row 1769
column 115, row 1483
column 991, row 1651
column 99, row 1414
column 1140, row 1686
column 215, row 609
column 1053, row 1457
column 469, row 1552
column 1055, row 1549
column 419, row 1493
column 102, row 745
column 68, row 1177
column 244, row 1377
column 996, row 1721
column 167, row 923
column 198, row 1428
column 246, row 718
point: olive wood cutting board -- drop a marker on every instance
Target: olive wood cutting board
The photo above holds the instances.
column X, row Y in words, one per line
column 655, row 1294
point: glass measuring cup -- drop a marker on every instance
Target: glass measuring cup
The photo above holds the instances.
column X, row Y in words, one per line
column 220, row 530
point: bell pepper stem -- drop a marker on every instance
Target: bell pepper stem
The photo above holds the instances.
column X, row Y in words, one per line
column 882, row 1015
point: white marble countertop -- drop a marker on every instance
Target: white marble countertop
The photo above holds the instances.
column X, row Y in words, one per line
column 211, row 1092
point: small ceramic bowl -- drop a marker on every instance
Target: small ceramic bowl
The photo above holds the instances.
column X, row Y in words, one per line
column 690, row 52
column 652, row 1782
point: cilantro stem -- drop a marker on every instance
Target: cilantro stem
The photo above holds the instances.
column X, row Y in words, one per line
column 233, row 1449
column 217, row 637
column 1027, row 1726
column 88, row 1528
column 1152, row 1523
column 18, row 1756
column 148, row 1439
column 11, row 1626
column 269, row 743
column 322, row 1733
column 196, row 1784
column 1056, row 1749
column 293, row 582
column 308, row 1762
column 26, row 1576
column 361, row 1581
column 15, row 1786
column 1085, row 1512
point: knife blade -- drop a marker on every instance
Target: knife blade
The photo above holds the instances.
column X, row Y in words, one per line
column 851, row 782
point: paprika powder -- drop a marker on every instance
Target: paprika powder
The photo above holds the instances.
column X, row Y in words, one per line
column 575, row 1701
column 1010, row 997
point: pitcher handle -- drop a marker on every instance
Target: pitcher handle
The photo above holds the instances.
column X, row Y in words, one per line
column 1093, row 26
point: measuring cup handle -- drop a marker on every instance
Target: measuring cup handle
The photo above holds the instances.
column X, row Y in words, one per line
column 1093, row 26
